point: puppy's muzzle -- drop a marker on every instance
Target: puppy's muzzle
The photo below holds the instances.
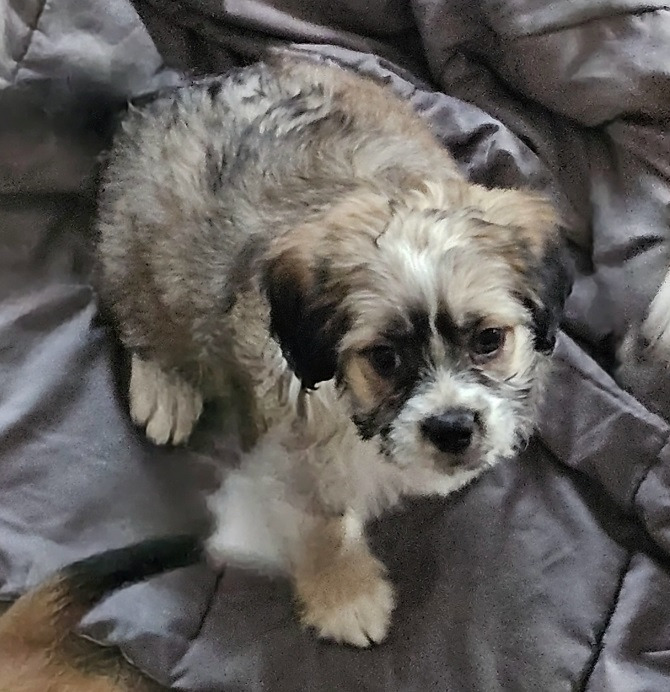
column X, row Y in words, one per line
column 451, row 432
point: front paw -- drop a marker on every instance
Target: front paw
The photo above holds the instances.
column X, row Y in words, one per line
column 165, row 405
column 349, row 601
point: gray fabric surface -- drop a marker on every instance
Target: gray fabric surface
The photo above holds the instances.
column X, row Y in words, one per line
column 551, row 573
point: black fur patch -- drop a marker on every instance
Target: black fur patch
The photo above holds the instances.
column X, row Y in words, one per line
column 410, row 337
column 366, row 425
column 446, row 327
column 90, row 579
column 412, row 333
column 554, row 279
column 307, row 330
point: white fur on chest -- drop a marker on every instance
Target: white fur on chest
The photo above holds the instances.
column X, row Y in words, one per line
column 310, row 465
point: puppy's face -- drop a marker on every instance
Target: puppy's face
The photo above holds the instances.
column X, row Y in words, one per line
column 430, row 316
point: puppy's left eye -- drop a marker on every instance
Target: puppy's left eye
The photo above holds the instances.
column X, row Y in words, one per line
column 384, row 360
column 487, row 342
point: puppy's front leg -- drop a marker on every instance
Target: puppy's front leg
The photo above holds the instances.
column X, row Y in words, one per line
column 341, row 588
column 162, row 403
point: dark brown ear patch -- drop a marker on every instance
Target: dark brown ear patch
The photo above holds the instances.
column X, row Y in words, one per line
column 305, row 324
column 553, row 278
column 525, row 231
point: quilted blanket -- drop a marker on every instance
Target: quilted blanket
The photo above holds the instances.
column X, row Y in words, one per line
column 550, row 573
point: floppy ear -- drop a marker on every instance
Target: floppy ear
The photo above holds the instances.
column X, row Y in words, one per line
column 553, row 278
column 302, row 320
column 528, row 237
column 306, row 294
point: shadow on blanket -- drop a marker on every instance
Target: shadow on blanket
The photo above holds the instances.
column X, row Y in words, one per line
column 39, row 649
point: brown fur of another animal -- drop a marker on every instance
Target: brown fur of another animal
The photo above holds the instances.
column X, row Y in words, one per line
column 39, row 649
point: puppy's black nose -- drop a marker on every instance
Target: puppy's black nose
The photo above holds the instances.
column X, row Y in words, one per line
column 451, row 431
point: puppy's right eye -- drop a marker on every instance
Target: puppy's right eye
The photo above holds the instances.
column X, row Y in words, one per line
column 384, row 360
column 487, row 342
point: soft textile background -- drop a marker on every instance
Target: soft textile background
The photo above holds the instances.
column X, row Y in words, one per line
column 551, row 573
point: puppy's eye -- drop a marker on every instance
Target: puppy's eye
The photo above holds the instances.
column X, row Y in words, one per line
column 384, row 360
column 487, row 342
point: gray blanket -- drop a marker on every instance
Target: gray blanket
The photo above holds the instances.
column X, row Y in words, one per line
column 550, row 573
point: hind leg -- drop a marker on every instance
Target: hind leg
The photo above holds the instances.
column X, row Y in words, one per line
column 164, row 404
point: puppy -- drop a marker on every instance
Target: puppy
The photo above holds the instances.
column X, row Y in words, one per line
column 38, row 647
column 296, row 235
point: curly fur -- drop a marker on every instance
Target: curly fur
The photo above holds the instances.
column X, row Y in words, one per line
column 274, row 229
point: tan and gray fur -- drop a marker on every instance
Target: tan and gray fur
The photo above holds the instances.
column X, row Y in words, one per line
column 294, row 233
column 39, row 648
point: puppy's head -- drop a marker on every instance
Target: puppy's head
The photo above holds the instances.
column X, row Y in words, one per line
column 434, row 312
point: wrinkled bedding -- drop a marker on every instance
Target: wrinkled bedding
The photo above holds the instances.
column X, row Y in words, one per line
column 551, row 572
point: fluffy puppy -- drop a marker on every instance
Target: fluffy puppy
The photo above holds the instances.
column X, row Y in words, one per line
column 39, row 649
column 295, row 234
